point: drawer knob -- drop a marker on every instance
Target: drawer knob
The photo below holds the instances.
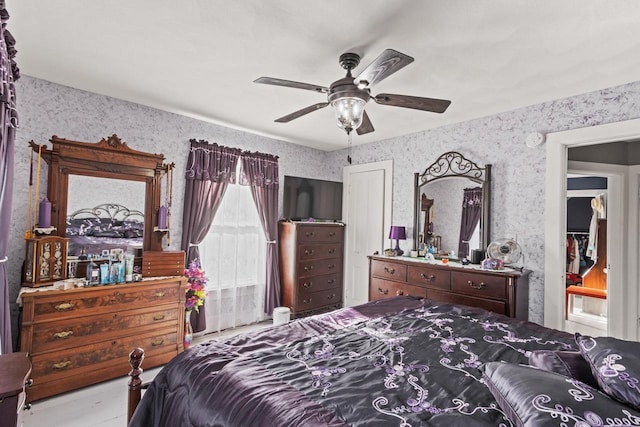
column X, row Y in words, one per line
column 156, row 343
column 160, row 294
column 399, row 292
column 306, row 301
column 430, row 277
column 332, row 250
column 158, row 317
column 65, row 306
column 307, row 284
column 27, row 406
column 389, row 270
column 383, row 291
column 62, row 335
column 478, row 286
column 332, row 234
column 330, row 266
column 309, row 251
column 62, row 365
column 309, row 234
column 332, row 296
column 308, row 267
column 29, row 382
column 331, row 281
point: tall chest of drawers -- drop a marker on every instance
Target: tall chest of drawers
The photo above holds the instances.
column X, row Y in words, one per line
column 311, row 266
column 82, row 336
column 504, row 292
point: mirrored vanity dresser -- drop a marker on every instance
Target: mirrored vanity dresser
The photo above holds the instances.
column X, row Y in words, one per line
column 77, row 335
column 452, row 199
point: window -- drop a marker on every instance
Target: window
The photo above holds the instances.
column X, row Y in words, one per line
column 233, row 256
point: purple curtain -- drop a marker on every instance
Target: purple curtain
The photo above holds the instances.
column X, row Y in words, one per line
column 260, row 172
column 9, row 73
column 210, row 169
column 471, row 211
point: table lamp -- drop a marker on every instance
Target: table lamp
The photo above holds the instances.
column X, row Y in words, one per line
column 399, row 233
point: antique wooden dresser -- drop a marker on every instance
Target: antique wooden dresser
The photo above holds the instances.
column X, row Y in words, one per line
column 82, row 336
column 311, row 266
column 505, row 292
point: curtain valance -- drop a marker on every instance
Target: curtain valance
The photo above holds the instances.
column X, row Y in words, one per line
column 212, row 162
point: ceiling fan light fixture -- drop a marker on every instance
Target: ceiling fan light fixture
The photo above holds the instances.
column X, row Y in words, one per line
column 348, row 112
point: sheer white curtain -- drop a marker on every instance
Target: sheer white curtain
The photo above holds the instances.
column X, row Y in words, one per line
column 233, row 257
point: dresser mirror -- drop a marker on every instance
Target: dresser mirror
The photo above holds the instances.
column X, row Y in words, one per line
column 105, row 182
column 439, row 195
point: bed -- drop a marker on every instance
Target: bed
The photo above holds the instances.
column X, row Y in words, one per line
column 401, row 361
column 104, row 227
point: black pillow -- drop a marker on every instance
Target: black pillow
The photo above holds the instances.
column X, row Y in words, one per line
column 616, row 365
column 567, row 363
column 533, row 398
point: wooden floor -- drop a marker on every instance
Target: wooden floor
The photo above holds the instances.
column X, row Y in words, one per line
column 101, row 405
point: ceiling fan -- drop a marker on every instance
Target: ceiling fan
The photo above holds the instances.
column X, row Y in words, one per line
column 349, row 95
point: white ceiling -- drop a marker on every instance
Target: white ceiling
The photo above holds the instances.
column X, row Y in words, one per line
column 199, row 58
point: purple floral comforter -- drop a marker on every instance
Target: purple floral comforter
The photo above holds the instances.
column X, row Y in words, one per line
column 396, row 362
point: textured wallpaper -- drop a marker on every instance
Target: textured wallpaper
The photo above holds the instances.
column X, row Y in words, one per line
column 517, row 205
column 517, row 202
column 47, row 109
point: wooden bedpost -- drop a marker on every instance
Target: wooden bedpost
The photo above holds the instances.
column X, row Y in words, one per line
column 135, row 383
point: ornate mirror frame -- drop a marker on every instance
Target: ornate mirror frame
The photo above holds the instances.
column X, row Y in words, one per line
column 108, row 158
column 454, row 165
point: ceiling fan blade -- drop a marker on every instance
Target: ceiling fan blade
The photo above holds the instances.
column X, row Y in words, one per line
column 415, row 102
column 289, row 83
column 302, row 112
column 365, row 126
column 382, row 67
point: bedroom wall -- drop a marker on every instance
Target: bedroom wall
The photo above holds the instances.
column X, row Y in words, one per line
column 517, row 205
column 47, row 109
column 518, row 171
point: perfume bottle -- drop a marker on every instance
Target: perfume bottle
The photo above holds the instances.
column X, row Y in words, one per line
column 93, row 273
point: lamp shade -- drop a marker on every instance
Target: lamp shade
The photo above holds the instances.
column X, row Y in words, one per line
column 398, row 232
column 349, row 112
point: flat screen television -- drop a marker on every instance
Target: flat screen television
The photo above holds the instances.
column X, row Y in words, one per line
column 306, row 198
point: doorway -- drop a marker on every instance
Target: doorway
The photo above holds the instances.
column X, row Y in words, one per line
column 587, row 278
column 367, row 214
column 622, row 299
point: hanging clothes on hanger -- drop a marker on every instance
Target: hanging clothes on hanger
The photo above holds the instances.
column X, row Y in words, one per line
column 573, row 249
column 599, row 211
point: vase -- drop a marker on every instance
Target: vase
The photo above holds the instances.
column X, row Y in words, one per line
column 188, row 330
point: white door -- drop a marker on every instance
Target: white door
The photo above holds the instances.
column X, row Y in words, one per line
column 367, row 214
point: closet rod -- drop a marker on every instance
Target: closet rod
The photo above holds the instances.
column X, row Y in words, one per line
column 578, row 232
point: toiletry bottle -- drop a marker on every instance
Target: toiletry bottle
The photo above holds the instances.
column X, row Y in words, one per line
column 93, row 273
column 104, row 274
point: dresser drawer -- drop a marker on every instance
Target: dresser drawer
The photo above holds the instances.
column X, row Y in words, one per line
column 320, row 233
column 320, row 283
column 90, row 301
column 381, row 289
column 389, row 270
column 430, row 277
column 481, row 285
column 312, row 300
column 52, row 365
column 499, row 307
column 319, row 267
column 319, row 251
column 87, row 330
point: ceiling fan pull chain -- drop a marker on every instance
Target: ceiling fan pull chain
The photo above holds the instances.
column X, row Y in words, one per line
column 349, row 147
